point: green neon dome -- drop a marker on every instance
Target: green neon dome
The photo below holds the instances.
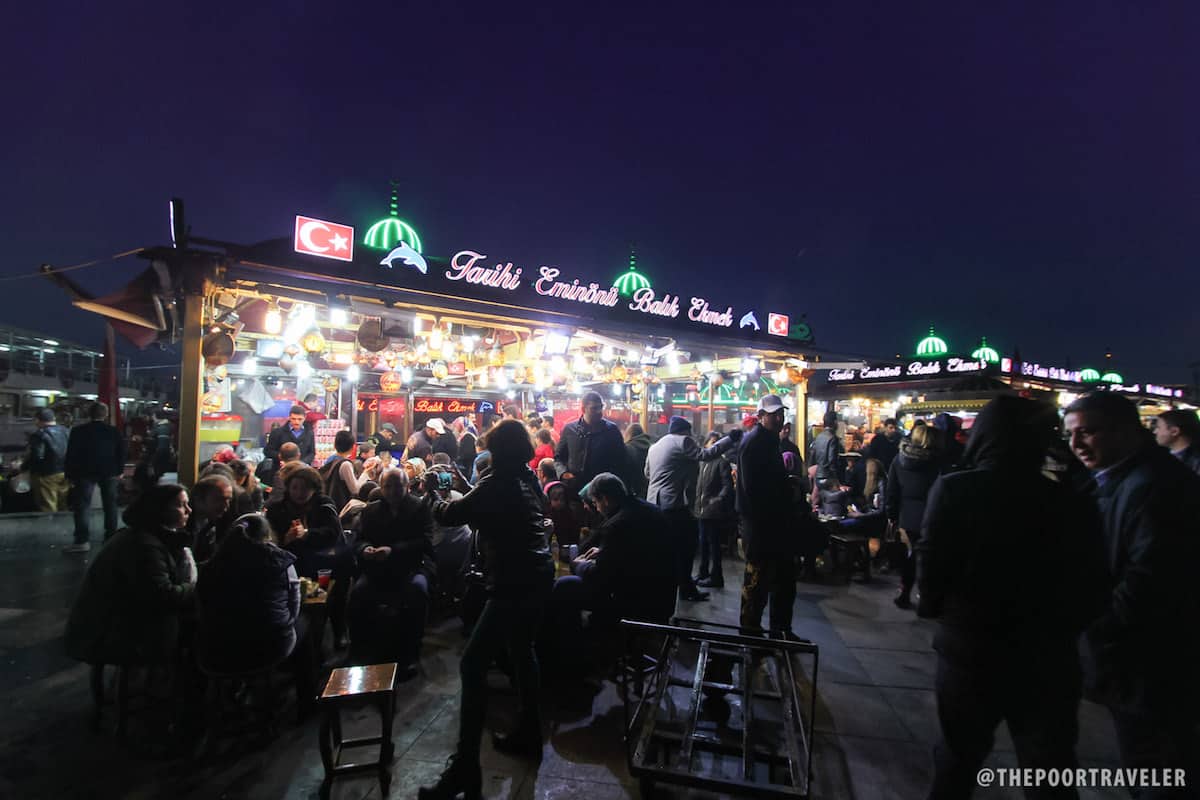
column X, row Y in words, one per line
column 629, row 282
column 932, row 345
column 1089, row 375
column 1112, row 377
column 391, row 230
column 985, row 353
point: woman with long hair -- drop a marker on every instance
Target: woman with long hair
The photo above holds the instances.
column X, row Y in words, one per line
column 507, row 508
column 248, row 483
column 909, row 480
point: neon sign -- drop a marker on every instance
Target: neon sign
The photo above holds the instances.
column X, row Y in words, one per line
column 699, row 312
column 435, row 405
column 548, row 285
column 501, row 276
column 645, row 302
column 1030, row 370
column 915, row 369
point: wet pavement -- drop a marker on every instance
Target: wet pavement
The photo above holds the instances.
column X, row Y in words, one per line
column 875, row 725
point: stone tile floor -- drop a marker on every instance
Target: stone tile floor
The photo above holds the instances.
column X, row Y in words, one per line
column 875, row 727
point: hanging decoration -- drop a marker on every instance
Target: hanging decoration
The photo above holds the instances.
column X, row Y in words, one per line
column 313, row 342
column 390, row 381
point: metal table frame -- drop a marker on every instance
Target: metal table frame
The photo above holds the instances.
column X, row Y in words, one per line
column 657, row 753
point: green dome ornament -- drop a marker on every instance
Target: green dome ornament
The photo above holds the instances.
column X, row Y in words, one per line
column 932, row 346
column 391, row 230
column 985, row 353
column 1089, row 375
column 1112, row 377
column 629, row 282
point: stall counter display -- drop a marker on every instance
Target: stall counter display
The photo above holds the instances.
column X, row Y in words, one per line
column 324, row 431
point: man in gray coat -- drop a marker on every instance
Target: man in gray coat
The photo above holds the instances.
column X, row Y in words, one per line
column 672, row 467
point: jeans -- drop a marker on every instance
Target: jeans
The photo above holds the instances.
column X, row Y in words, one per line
column 510, row 620
column 712, row 535
column 82, row 502
column 1037, row 696
column 387, row 620
column 773, row 579
column 684, row 538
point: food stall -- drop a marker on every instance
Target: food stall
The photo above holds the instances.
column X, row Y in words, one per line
column 368, row 328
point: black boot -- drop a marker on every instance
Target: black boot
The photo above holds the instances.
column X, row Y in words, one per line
column 526, row 740
column 460, row 777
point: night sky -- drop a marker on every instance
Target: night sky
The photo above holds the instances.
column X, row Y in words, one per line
column 1026, row 173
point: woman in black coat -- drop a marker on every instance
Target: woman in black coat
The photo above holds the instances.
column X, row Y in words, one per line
column 909, row 480
column 507, row 508
column 306, row 524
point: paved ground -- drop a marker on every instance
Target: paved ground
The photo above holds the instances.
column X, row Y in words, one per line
column 876, row 721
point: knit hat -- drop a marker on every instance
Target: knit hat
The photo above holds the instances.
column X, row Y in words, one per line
column 679, row 425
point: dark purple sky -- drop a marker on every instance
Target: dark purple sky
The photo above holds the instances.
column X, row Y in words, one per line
column 1025, row 173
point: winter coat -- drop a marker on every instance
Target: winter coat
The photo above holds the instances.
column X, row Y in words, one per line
column 335, row 487
column 48, row 451
column 1001, row 525
column 466, row 453
column 446, row 443
column 321, row 520
column 506, row 507
column 408, row 532
column 714, row 490
column 418, row 446
column 1190, row 456
column 636, row 449
column 764, row 498
column 824, row 454
column 541, row 451
column 908, row 483
column 131, row 600
column 95, row 451
column 673, row 466
column 633, row 574
column 249, row 598
column 1142, row 650
column 586, row 452
column 883, row 449
column 306, row 441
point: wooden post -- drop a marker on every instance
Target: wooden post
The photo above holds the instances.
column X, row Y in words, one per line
column 190, row 385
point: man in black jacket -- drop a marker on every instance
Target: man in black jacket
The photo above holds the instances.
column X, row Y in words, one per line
column 295, row 431
column 1178, row 430
column 1005, row 655
column 630, row 575
column 768, row 522
column 95, row 458
column 1140, row 654
column 396, row 557
column 590, row 445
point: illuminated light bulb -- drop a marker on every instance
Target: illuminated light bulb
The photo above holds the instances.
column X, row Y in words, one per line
column 558, row 365
column 273, row 323
column 617, row 390
column 406, row 375
column 781, row 375
column 706, row 366
column 353, row 373
column 749, row 365
column 737, row 382
column 502, row 379
column 673, row 358
column 338, row 316
column 416, row 325
column 435, row 338
column 580, row 363
column 303, row 369
column 482, row 380
column 634, row 356
column 448, row 350
column 510, row 394
column 576, row 387
column 250, row 366
column 662, row 392
column 607, row 353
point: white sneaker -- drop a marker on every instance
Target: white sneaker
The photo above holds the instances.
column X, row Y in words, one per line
column 82, row 547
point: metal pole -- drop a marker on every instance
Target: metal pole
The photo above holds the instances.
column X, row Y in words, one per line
column 190, row 385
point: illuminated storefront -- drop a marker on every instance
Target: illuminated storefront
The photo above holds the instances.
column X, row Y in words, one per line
column 373, row 328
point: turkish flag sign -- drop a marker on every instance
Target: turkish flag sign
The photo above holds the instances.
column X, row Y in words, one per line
column 777, row 324
column 317, row 237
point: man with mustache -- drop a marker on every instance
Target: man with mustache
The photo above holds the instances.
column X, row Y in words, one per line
column 1139, row 656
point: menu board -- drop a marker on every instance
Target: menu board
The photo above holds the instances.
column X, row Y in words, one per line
column 324, row 430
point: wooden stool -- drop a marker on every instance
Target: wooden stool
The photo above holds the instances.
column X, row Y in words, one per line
column 346, row 687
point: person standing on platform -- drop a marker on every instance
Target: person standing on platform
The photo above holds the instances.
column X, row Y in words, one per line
column 95, row 458
column 1005, row 655
column 672, row 469
column 1140, row 654
column 47, row 463
column 590, row 445
column 296, row 432
column 637, row 445
column 716, row 514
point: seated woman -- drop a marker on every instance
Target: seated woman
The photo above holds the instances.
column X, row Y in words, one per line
column 138, row 588
column 306, row 524
column 566, row 524
column 249, row 484
column 249, row 608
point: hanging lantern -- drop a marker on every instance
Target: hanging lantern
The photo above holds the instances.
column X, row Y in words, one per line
column 292, row 350
column 409, row 357
column 440, row 370
column 313, row 341
column 423, row 357
column 795, row 375
column 331, row 384
column 496, row 356
column 620, row 373
column 389, row 381
column 636, row 386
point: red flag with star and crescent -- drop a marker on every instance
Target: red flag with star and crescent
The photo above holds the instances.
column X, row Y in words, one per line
column 318, row 237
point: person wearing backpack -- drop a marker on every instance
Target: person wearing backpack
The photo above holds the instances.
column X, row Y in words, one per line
column 47, row 463
column 341, row 484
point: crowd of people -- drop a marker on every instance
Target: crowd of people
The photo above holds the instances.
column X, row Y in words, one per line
column 544, row 540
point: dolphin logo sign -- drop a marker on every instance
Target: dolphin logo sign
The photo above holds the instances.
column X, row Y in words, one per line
column 749, row 321
column 404, row 253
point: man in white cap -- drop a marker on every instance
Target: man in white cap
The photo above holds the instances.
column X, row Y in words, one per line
column 768, row 522
column 444, row 440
